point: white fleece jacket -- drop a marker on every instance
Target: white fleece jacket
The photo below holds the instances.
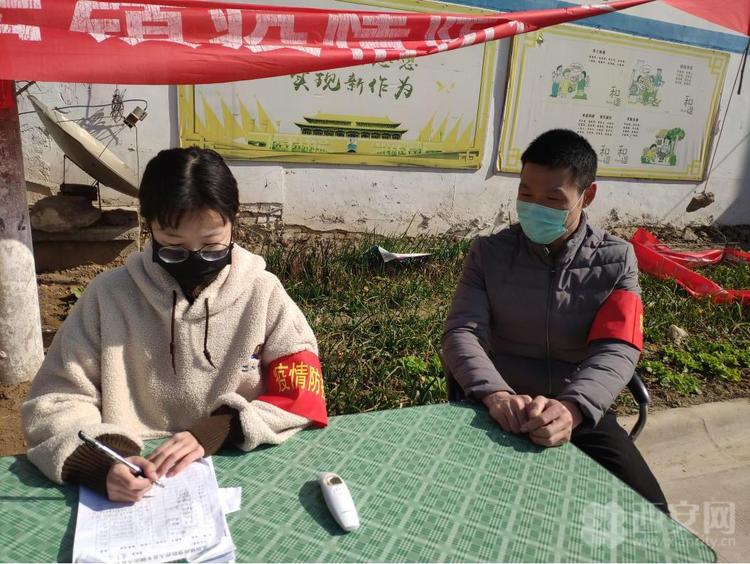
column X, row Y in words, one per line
column 109, row 368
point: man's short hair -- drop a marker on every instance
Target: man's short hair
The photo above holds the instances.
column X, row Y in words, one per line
column 563, row 148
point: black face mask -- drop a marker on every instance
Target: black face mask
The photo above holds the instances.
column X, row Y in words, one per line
column 193, row 272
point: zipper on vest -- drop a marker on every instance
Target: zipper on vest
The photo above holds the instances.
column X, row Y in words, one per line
column 550, row 293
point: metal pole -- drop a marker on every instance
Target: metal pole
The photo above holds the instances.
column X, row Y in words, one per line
column 21, row 350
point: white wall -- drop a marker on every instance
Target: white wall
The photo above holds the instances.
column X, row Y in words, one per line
column 390, row 200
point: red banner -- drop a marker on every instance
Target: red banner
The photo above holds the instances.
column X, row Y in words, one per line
column 658, row 260
column 196, row 41
column 732, row 14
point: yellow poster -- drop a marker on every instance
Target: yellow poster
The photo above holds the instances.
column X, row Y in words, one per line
column 427, row 112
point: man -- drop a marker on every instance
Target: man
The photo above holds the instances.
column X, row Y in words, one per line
column 546, row 324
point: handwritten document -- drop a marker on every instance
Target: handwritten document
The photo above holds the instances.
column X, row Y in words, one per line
column 185, row 520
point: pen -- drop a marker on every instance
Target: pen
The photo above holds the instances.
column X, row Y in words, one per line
column 93, row 443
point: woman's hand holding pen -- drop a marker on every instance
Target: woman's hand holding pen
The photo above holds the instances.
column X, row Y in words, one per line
column 176, row 453
column 124, row 486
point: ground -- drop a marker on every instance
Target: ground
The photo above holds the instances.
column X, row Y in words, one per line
column 11, row 397
column 391, row 315
column 701, row 457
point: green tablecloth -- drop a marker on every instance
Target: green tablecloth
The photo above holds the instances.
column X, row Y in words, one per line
column 431, row 483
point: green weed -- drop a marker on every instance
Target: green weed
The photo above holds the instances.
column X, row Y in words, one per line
column 718, row 349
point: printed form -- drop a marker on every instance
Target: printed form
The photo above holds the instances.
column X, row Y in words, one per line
column 185, row 520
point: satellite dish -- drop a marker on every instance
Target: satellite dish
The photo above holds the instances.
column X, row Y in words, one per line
column 86, row 151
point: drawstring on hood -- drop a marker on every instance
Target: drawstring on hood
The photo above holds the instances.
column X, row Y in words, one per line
column 205, row 338
column 206, row 352
column 223, row 292
column 171, row 342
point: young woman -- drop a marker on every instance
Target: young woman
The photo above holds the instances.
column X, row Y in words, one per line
column 192, row 340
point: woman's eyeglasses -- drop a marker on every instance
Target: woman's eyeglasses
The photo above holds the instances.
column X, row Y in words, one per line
column 211, row 253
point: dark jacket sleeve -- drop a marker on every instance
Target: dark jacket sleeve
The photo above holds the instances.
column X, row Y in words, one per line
column 466, row 335
column 220, row 429
column 609, row 364
column 89, row 467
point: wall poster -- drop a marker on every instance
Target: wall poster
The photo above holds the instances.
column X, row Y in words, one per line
column 648, row 107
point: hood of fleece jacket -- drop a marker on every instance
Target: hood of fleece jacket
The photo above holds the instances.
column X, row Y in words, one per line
column 229, row 285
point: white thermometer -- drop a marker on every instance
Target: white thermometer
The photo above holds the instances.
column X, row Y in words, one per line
column 339, row 500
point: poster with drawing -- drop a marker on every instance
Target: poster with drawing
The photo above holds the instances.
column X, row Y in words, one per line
column 647, row 107
column 428, row 112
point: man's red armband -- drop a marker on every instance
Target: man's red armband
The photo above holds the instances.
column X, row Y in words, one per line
column 620, row 317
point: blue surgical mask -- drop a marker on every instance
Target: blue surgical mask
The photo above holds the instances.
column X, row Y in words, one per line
column 542, row 224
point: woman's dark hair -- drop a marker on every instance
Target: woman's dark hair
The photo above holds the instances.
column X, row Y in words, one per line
column 563, row 148
column 180, row 181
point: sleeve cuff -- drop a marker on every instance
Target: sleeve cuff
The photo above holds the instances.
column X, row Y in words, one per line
column 588, row 410
column 89, row 467
column 221, row 428
column 483, row 390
